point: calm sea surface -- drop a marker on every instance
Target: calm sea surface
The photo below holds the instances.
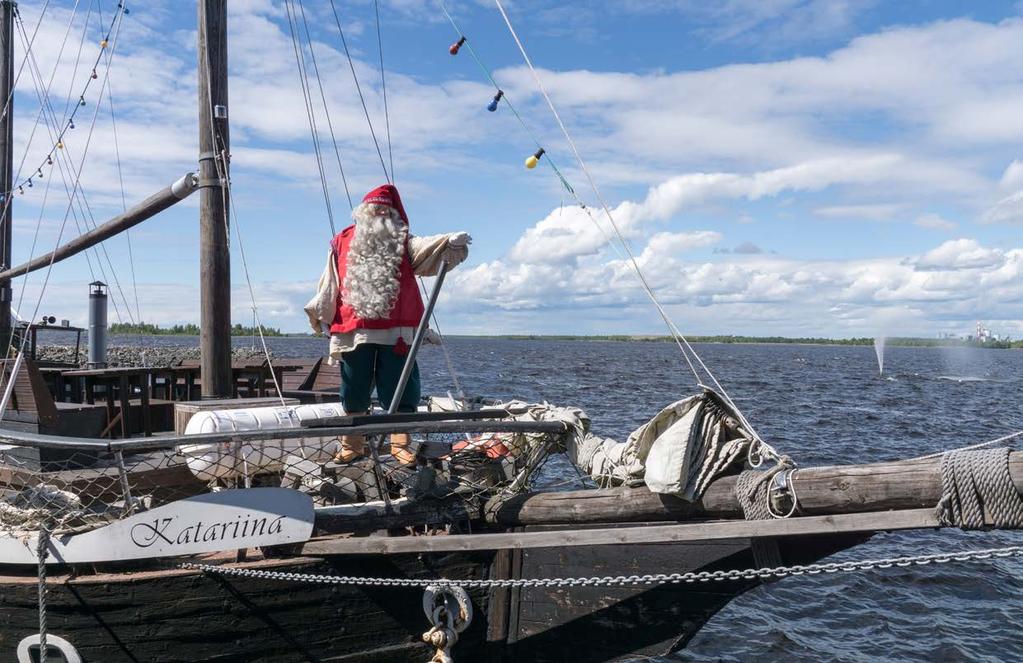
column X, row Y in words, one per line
column 820, row 405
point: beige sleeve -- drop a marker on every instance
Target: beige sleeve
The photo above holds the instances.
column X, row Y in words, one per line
column 321, row 308
column 427, row 254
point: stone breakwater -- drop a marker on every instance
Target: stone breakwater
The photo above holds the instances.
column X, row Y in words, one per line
column 125, row 355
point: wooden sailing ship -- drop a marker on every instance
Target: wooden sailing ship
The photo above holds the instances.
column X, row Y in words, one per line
column 249, row 544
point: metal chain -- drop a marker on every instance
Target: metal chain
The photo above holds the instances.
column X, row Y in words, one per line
column 624, row 581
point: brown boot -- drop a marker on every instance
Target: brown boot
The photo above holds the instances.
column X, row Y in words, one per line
column 400, row 450
column 353, row 447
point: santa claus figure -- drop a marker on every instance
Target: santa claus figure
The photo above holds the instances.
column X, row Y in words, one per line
column 369, row 302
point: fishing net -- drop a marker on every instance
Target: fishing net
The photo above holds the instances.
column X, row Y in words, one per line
column 69, row 490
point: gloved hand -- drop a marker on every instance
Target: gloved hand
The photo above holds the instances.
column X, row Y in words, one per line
column 459, row 239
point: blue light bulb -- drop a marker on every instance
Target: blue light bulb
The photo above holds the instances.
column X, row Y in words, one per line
column 492, row 106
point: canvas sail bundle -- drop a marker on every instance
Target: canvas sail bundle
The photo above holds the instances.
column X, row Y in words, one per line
column 679, row 451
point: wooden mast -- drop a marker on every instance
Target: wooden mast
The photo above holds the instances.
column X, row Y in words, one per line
column 7, row 8
column 214, row 160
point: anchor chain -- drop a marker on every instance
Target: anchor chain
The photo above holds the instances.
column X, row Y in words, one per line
column 767, row 573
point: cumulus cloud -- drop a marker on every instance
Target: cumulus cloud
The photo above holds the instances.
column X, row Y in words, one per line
column 958, row 254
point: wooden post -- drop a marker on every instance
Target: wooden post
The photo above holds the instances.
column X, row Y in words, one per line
column 6, row 160
column 214, row 160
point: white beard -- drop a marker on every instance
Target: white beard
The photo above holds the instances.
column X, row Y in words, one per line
column 371, row 280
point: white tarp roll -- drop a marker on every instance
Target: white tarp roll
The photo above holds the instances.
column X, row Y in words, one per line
column 228, row 460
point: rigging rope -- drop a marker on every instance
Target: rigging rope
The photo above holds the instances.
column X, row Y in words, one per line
column 77, row 178
column 358, row 88
column 383, row 88
column 310, row 112
column 326, row 108
column 676, row 333
column 77, row 193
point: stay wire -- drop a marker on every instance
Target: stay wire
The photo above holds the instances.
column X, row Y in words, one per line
column 607, row 211
column 49, row 267
column 77, row 194
column 383, row 88
column 561, row 177
column 358, row 88
column 310, row 111
column 326, row 108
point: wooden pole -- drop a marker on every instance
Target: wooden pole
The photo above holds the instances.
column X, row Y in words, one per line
column 908, row 484
column 7, row 8
column 417, row 341
column 148, row 208
column 214, row 161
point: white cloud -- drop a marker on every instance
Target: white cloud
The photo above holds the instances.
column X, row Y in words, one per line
column 935, row 222
column 958, row 254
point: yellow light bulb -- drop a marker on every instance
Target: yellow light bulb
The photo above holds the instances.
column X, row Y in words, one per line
column 60, row 145
column 534, row 159
column 103, row 44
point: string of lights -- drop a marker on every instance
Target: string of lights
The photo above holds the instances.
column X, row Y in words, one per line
column 69, row 122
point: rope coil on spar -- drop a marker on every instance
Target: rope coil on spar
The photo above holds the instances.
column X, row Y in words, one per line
column 768, row 573
column 978, row 491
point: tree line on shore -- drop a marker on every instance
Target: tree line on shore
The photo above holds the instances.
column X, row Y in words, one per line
column 190, row 329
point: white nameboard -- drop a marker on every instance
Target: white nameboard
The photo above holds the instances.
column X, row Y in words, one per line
column 228, row 520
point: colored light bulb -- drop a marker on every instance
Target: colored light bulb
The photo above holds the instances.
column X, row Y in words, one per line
column 81, row 101
column 492, row 106
column 60, row 145
column 94, row 74
column 534, row 159
column 30, row 183
column 453, row 49
column 103, row 44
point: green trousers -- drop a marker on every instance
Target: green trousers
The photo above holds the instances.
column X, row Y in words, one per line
column 372, row 364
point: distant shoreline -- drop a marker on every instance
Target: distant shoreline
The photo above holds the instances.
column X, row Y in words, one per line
column 893, row 341
column 898, row 341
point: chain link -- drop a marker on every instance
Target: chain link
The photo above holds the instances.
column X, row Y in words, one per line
column 624, row 581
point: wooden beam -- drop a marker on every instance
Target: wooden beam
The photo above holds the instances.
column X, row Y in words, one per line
column 909, row 484
column 148, row 208
column 707, row 531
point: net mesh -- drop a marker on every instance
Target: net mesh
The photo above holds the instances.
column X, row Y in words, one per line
column 75, row 490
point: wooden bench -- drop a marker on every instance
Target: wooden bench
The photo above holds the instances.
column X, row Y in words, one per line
column 33, row 409
column 321, row 385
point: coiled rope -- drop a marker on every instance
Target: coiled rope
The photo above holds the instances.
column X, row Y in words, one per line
column 978, row 492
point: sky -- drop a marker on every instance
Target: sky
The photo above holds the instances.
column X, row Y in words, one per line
column 777, row 167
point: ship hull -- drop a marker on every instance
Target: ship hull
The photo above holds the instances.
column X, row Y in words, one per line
column 174, row 615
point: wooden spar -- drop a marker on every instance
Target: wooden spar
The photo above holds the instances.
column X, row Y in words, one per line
column 214, row 174
column 146, row 209
column 910, row 484
column 6, row 160
column 562, row 538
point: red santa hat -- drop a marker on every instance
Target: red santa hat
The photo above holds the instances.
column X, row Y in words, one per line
column 386, row 195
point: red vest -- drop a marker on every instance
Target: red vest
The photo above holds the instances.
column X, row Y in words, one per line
column 407, row 310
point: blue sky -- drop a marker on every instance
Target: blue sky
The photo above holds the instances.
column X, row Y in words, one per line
column 786, row 167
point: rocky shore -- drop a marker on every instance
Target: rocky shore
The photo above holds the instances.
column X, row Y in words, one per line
column 127, row 355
